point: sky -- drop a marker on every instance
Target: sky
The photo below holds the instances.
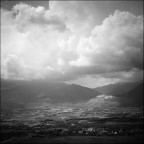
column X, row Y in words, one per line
column 90, row 43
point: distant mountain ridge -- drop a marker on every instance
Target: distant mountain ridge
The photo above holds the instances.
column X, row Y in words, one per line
column 24, row 92
column 118, row 88
column 27, row 91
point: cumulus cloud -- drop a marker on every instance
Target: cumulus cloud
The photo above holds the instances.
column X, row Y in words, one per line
column 118, row 42
column 65, row 43
column 27, row 16
column 79, row 15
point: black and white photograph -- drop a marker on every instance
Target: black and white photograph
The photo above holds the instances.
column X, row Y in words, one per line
column 71, row 72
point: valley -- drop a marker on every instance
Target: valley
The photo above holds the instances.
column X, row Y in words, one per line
column 44, row 112
column 55, row 123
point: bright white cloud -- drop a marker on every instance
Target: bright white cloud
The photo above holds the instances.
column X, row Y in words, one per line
column 64, row 43
column 27, row 16
column 118, row 42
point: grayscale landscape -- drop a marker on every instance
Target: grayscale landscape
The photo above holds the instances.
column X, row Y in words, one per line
column 71, row 72
column 55, row 117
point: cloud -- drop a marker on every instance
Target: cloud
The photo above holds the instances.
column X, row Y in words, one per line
column 118, row 42
column 78, row 15
column 93, row 81
column 27, row 16
column 132, row 75
column 65, row 43
column 98, row 80
column 13, row 67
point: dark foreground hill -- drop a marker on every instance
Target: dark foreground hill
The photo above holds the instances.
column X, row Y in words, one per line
column 19, row 91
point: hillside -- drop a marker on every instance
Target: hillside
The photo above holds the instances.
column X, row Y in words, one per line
column 117, row 88
column 133, row 97
column 102, row 101
column 19, row 91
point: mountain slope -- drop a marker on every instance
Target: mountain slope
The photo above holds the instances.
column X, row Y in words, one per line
column 133, row 97
column 102, row 101
column 19, row 91
column 118, row 88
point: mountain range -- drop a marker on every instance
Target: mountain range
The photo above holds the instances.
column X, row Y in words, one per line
column 27, row 91
column 24, row 92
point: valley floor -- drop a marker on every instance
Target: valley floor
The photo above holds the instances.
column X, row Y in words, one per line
column 67, row 124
